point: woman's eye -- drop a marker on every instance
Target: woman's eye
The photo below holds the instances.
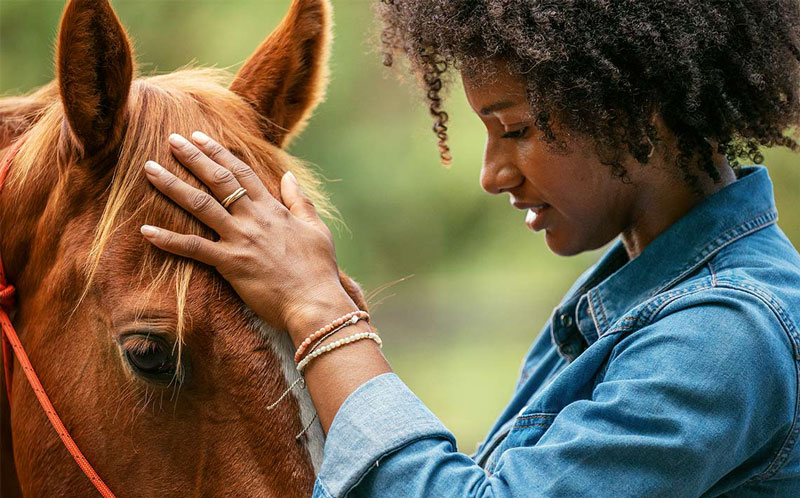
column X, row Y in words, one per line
column 149, row 356
column 516, row 133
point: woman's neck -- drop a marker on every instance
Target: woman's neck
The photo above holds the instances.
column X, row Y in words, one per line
column 665, row 198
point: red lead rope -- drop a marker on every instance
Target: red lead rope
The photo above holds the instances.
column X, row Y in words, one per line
column 11, row 345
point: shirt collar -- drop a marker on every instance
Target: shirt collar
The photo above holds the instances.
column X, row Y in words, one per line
column 618, row 284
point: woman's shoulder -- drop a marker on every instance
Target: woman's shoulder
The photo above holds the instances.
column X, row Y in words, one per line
column 747, row 292
column 761, row 272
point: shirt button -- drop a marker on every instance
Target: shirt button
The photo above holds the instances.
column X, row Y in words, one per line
column 566, row 320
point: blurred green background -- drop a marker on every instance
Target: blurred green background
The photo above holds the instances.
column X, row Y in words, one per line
column 478, row 285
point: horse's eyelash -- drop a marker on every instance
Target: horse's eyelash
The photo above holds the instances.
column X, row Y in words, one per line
column 140, row 345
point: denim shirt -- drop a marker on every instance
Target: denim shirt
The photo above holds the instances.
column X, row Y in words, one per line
column 672, row 374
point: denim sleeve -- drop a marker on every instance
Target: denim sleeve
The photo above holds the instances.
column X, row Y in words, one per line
column 682, row 403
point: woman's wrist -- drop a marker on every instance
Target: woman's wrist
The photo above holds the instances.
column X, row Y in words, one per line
column 334, row 375
column 346, row 331
column 318, row 312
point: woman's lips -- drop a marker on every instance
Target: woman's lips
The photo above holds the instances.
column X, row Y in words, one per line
column 535, row 216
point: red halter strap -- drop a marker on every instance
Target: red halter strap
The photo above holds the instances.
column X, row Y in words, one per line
column 11, row 344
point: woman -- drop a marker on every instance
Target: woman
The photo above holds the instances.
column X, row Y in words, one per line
column 670, row 368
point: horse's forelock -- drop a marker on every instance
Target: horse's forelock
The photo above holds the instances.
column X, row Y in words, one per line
column 179, row 102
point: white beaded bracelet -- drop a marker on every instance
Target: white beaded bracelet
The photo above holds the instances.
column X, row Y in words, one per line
column 341, row 342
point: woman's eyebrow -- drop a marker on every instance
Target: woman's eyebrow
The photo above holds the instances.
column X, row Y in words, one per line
column 497, row 106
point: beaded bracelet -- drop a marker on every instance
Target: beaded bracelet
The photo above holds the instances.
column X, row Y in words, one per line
column 341, row 342
column 341, row 322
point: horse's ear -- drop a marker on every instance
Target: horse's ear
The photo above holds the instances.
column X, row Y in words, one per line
column 95, row 70
column 285, row 78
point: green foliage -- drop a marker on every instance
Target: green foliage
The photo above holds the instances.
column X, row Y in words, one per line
column 482, row 283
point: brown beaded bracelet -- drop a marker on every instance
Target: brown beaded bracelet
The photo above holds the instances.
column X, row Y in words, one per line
column 353, row 316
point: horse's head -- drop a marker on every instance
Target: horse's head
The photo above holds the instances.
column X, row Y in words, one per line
column 158, row 370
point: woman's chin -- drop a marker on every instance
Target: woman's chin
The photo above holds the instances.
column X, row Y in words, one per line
column 562, row 246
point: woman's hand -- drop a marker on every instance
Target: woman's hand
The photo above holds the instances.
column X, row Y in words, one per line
column 279, row 259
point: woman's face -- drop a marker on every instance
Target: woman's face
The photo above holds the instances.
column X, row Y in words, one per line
column 572, row 197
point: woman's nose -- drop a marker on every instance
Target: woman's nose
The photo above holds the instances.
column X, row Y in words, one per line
column 499, row 174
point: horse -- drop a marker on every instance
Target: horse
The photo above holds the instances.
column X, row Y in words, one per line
column 160, row 373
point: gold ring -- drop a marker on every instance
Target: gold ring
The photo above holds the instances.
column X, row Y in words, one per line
column 235, row 196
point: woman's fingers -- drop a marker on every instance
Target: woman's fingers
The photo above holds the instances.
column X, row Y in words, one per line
column 298, row 203
column 204, row 207
column 244, row 174
column 190, row 246
column 219, row 179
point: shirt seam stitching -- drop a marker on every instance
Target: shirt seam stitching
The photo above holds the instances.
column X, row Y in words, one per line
column 527, row 426
column 597, row 318
column 652, row 307
column 538, row 415
column 713, row 272
column 324, row 488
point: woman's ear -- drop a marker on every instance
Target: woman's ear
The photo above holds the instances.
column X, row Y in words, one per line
column 285, row 78
column 95, row 71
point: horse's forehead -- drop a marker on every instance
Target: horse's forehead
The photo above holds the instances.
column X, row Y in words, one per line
column 161, row 106
column 209, row 303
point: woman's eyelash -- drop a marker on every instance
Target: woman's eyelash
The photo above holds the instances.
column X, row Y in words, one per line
column 516, row 133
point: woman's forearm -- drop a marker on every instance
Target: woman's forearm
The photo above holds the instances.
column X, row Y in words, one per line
column 333, row 376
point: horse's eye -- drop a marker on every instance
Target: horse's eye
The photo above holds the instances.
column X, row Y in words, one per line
column 149, row 356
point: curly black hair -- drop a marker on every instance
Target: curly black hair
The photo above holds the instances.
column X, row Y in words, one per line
column 719, row 72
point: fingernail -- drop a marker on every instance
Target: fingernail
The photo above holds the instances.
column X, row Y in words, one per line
column 153, row 168
column 292, row 177
column 149, row 230
column 177, row 140
column 200, row 137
